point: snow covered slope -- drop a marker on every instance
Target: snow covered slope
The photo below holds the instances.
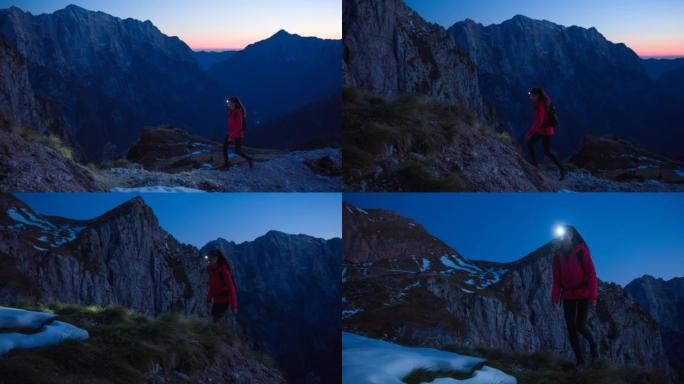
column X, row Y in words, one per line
column 371, row 361
column 27, row 329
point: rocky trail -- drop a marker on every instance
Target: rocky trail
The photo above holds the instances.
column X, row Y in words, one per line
column 302, row 171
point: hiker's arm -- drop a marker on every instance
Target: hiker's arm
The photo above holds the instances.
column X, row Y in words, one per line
column 232, row 293
column 591, row 271
column 555, row 287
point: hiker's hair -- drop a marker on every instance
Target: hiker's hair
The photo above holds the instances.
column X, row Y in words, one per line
column 221, row 259
column 238, row 102
column 541, row 93
column 576, row 237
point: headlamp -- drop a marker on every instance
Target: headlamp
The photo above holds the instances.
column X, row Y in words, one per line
column 560, row 231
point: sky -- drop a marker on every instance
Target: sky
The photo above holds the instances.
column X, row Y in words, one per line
column 653, row 28
column 629, row 234
column 214, row 24
column 197, row 218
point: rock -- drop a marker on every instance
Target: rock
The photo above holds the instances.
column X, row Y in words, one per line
column 619, row 160
column 425, row 298
column 325, row 166
column 390, row 51
column 30, row 166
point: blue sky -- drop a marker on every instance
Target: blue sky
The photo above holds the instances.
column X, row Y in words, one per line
column 651, row 28
column 199, row 218
column 214, row 24
column 629, row 234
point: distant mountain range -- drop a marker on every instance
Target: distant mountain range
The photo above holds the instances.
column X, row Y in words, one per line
column 108, row 77
column 208, row 58
column 597, row 86
column 288, row 285
column 657, row 67
column 402, row 284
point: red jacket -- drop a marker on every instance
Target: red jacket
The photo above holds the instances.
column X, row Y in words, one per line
column 221, row 287
column 539, row 118
column 236, row 118
column 571, row 279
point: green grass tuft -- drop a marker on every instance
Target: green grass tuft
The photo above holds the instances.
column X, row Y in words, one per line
column 123, row 348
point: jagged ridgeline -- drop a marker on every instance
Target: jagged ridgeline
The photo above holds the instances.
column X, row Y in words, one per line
column 430, row 109
column 403, row 285
column 288, row 285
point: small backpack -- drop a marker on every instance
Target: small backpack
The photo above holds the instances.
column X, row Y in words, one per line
column 551, row 119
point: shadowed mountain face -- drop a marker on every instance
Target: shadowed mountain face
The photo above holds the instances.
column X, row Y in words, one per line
column 288, row 293
column 597, row 86
column 433, row 296
column 278, row 75
column 109, row 77
column 657, row 67
column 664, row 300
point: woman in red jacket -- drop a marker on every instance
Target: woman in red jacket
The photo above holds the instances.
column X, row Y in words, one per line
column 222, row 293
column 237, row 119
column 575, row 283
column 542, row 129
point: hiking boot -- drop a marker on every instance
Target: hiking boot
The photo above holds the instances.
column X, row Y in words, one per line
column 251, row 163
column 563, row 173
column 226, row 166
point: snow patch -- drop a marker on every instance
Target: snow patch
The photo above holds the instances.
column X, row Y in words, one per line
column 346, row 313
column 48, row 334
column 679, row 172
column 371, row 361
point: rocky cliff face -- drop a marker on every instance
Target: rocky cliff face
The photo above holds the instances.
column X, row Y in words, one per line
column 436, row 300
column 598, row 87
column 122, row 257
column 108, row 77
column 18, row 103
column 664, row 300
column 390, row 50
column 288, row 294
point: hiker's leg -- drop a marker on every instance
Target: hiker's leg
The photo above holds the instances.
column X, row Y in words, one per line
column 238, row 150
column 530, row 147
column 581, row 325
column 570, row 312
column 548, row 153
column 225, row 151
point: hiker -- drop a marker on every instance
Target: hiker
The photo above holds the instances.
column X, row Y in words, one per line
column 222, row 293
column 576, row 285
column 543, row 128
column 237, row 124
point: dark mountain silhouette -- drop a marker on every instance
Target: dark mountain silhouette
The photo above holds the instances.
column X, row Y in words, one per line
column 206, row 59
column 657, row 67
column 598, row 87
column 276, row 76
column 431, row 295
column 313, row 126
column 109, row 77
column 664, row 300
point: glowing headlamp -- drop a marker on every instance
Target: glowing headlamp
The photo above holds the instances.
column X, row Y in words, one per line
column 560, row 231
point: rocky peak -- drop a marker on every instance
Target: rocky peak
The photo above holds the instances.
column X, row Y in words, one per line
column 372, row 235
column 415, row 56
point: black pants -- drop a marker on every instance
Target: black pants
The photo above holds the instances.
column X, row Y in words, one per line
column 218, row 310
column 575, row 312
column 238, row 150
column 547, row 149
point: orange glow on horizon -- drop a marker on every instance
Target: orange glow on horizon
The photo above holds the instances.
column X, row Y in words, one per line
column 658, row 48
column 218, row 43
